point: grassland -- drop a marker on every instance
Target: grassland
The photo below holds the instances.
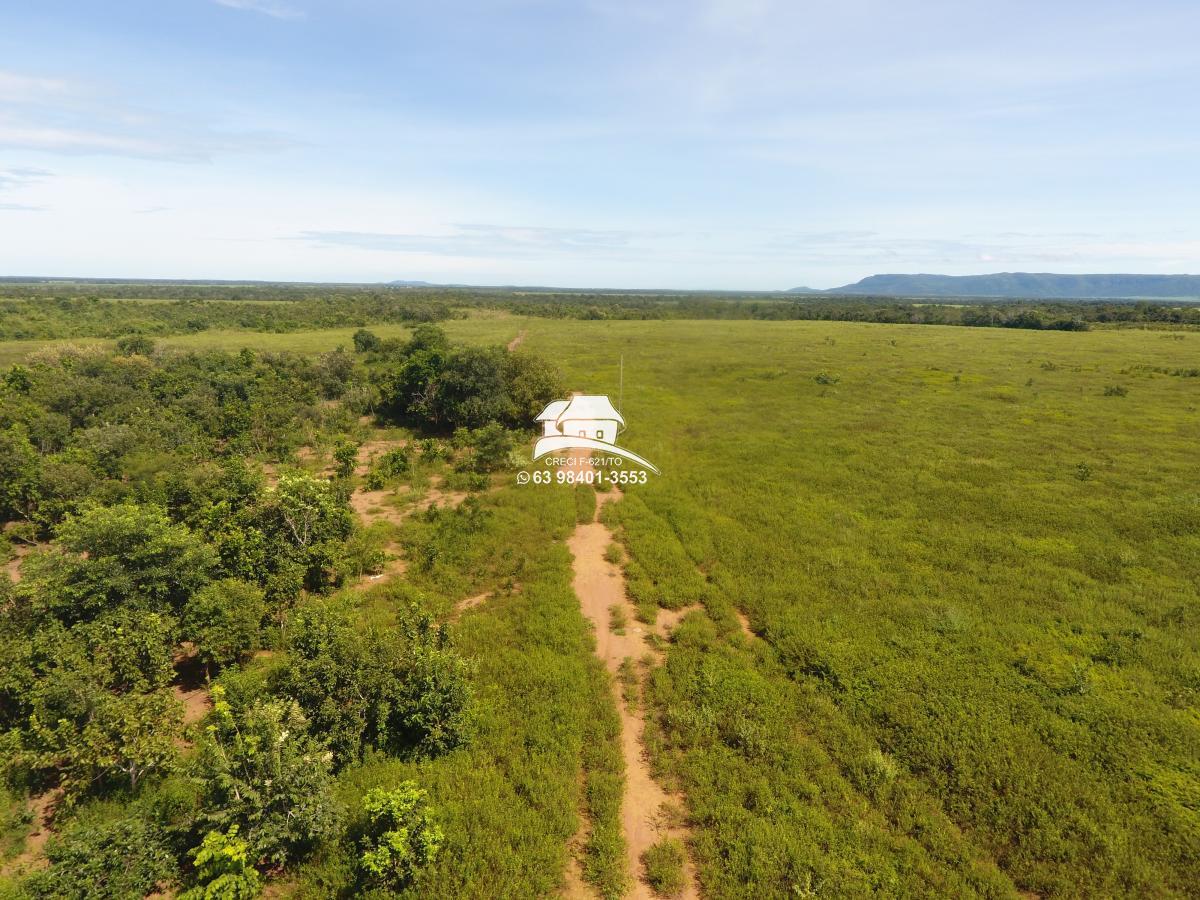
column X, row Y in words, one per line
column 971, row 562
column 968, row 557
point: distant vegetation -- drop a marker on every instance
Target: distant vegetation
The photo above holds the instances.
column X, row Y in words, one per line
column 44, row 311
column 73, row 316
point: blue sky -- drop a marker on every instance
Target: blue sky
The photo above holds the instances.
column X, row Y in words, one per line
column 726, row 144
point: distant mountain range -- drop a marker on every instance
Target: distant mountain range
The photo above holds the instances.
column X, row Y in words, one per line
column 1032, row 285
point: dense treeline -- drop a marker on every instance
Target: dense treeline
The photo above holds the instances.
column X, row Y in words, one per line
column 90, row 316
column 80, row 425
column 1037, row 315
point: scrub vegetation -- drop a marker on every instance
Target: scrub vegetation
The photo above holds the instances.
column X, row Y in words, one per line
column 936, row 596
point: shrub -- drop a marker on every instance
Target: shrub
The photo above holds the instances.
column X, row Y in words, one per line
column 223, row 621
column 345, row 454
column 664, row 867
column 135, row 345
column 365, row 341
column 392, row 465
column 1115, row 390
column 262, row 771
column 617, row 620
column 401, row 839
column 223, row 869
column 116, row 860
column 827, row 378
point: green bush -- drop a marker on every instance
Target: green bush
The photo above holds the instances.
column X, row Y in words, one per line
column 223, row 620
column 106, row 861
column 403, row 690
column 223, row 869
column 401, row 839
column 663, row 864
column 262, row 771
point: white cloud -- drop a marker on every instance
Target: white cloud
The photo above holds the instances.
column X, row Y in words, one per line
column 18, row 88
column 267, row 7
column 482, row 240
column 60, row 116
column 20, row 176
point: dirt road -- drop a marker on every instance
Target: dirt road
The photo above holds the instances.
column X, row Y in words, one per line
column 600, row 585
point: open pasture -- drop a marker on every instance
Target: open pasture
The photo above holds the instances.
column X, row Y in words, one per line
column 969, row 556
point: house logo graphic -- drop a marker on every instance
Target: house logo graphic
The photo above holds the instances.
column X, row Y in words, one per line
column 584, row 422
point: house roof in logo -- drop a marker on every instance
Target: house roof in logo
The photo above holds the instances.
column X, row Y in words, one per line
column 553, row 411
column 588, row 406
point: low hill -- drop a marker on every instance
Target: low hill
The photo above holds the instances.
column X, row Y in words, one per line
column 1033, row 285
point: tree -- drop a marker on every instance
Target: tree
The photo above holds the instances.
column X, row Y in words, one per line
column 491, row 447
column 532, row 383
column 118, row 555
column 402, row 836
column 345, row 678
column 427, row 337
column 131, row 647
column 404, row 694
column 305, row 522
column 472, row 390
column 366, row 341
column 260, row 769
column 128, row 735
column 223, row 620
column 305, row 511
column 223, row 869
column 20, row 473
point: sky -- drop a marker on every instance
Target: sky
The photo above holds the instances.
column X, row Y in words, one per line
column 725, row 144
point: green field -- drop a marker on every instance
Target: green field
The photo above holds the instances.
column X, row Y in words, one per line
column 972, row 564
column 969, row 561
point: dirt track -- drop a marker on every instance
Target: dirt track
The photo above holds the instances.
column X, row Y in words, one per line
column 600, row 585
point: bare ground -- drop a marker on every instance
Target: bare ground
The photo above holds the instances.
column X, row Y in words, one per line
column 32, row 857
column 517, row 341
column 196, row 703
column 13, row 566
column 470, row 603
column 600, row 585
column 368, row 450
column 377, row 506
